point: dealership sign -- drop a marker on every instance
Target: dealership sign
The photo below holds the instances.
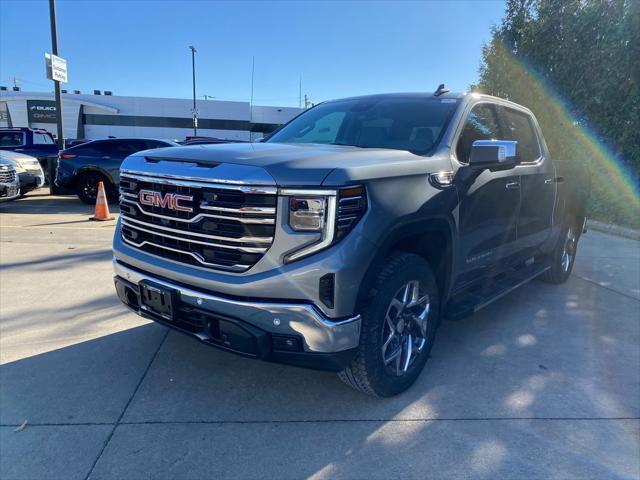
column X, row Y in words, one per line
column 56, row 68
column 41, row 111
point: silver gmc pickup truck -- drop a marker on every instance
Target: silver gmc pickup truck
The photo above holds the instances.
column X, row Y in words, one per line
column 343, row 239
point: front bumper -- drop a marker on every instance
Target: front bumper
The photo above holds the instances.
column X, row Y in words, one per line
column 30, row 180
column 316, row 341
column 9, row 191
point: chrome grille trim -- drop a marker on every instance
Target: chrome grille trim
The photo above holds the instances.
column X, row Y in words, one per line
column 7, row 176
column 230, row 227
column 205, row 206
column 126, row 219
column 265, row 210
column 235, row 267
column 208, row 244
column 264, row 221
column 197, row 183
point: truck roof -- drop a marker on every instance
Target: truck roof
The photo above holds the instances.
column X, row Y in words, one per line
column 415, row 95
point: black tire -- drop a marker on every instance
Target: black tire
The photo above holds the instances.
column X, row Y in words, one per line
column 564, row 254
column 86, row 186
column 368, row 372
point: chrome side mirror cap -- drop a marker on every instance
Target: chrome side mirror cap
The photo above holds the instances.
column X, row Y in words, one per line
column 494, row 154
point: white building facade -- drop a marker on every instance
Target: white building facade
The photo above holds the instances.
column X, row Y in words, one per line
column 100, row 116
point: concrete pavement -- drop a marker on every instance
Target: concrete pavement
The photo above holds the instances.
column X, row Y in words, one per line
column 544, row 383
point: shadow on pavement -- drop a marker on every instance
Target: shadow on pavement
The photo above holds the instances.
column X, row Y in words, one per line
column 533, row 386
column 56, row 262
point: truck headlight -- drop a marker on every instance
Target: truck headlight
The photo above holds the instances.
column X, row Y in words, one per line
column 307, row 214
column 329, row 213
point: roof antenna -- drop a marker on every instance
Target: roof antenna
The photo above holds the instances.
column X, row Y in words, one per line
column 441, row 90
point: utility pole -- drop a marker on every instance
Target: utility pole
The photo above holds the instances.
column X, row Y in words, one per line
column 54, row 51
column 253, row 69
column 307, row 102
column 193, row 71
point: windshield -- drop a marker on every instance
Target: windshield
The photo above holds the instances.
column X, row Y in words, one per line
column 413, row 124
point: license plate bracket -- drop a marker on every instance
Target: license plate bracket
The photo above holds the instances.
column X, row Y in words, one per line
column 158, row 300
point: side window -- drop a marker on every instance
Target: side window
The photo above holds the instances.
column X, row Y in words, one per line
column 481, row 124
column 157, row 144
column 518, row 126
column 115, row 148
column 11, row 139
column 42, row 139
column 91, row 149
column 133, row 146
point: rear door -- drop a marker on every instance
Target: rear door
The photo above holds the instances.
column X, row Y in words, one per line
column 537, row 179
column 489, row 202
column 115, row 153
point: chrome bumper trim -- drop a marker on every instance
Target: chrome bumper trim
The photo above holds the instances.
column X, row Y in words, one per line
column 319, row 333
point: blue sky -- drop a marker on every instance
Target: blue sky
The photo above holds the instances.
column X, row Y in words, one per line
column 339, row 49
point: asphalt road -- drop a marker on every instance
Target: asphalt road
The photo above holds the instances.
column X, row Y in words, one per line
column 544, row 383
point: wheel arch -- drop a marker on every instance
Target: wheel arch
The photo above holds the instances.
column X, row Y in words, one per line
column 91, row 169
column 431, row 239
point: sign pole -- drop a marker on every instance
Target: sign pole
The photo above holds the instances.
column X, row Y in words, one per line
column 54, row 50
column 193, row 72
column 51, row 164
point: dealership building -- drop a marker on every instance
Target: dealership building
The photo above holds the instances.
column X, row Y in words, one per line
column 102, row 115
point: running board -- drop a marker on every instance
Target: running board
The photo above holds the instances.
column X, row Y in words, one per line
column 470, row 302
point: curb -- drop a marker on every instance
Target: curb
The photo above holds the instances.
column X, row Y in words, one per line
column 617, row 230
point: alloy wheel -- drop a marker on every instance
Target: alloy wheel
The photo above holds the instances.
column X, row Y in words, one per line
column 569, row 249
column 405, row 329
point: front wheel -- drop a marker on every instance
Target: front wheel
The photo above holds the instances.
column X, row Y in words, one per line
column 398, row 328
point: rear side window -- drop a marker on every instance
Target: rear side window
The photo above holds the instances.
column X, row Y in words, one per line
column 11, row 139
column 110, row 148
column 91, row 149
column 42, row 139
column 148, row 145
column 481, row 124
column 518, row 126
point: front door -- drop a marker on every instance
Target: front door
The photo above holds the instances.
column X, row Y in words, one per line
column 489, row 203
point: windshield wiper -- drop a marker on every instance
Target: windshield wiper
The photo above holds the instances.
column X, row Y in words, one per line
column 343, row 144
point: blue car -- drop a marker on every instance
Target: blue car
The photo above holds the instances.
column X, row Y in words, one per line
column 82, row 167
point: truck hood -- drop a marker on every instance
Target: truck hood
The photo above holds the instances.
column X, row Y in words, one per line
column 287, row 163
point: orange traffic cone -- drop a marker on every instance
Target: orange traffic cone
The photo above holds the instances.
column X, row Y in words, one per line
column 102, row 207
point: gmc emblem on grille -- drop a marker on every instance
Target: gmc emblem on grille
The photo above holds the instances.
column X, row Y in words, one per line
column 167, row 200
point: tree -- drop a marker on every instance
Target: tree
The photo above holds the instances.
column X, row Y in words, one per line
column 576, row 65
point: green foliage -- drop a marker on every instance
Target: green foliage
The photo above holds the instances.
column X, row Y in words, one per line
column 576, row 65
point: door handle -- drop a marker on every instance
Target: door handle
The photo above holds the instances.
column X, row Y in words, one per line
column 550, row 181
column 512, row 185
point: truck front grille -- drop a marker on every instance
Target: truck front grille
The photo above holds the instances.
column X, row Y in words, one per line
column 210, row 225
column 7, row 176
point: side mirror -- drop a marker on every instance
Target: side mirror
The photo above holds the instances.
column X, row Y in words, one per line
column 493, row 154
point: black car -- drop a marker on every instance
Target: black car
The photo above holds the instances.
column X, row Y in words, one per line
column 81, row 167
